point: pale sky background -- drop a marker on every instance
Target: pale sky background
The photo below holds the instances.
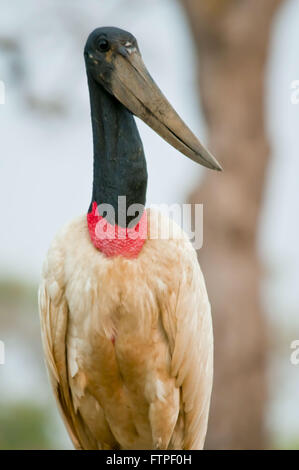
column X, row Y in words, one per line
column 46, row 160
column 46, row 175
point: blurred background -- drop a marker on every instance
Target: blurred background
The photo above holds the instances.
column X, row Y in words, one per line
column 227, row 67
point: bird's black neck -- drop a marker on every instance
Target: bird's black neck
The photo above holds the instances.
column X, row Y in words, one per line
column 119, row 161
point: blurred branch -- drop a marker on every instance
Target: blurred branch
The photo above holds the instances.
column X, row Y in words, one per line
column 232, row 41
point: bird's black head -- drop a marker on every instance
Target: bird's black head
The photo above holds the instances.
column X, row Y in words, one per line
column 113, row 61
column 103, row 47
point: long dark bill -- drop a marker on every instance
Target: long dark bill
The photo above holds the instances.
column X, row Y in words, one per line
column 133, row 86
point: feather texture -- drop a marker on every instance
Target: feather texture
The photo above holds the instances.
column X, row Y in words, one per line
column 128, row 343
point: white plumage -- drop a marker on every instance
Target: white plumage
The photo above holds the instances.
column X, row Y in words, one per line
column 128, row 342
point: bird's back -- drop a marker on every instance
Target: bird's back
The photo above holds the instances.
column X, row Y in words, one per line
column 128, row 342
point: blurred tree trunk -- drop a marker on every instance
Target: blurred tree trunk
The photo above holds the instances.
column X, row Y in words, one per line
column 232, row 39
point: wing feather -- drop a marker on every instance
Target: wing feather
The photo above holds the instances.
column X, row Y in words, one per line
column 54, row 314
column 188, row 326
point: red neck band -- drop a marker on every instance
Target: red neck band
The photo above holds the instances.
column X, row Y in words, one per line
column 113, row 240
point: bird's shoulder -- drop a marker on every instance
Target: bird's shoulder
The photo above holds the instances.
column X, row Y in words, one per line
column 162, row 232
column 166, row 260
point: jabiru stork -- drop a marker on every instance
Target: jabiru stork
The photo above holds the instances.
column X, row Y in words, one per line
column 126, row 321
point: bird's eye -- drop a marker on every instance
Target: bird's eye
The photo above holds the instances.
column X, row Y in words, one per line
column 103, row 45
